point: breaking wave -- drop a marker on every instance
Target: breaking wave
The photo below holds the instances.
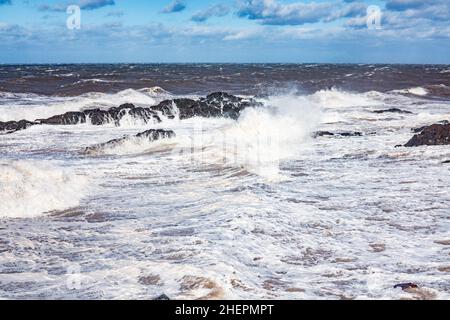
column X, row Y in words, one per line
column 29, row 189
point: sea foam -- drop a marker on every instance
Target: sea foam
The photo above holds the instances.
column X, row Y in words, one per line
column 30, row 189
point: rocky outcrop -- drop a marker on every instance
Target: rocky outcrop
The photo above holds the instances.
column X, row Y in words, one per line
column 219, row 104
column 99, row 117
column 149, row 135
column 420, row 129
column 436, row 134
column 13, row 126
column 393, row 110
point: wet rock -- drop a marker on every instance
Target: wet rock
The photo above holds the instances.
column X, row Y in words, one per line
column 420, row 129
column 150, row 280
column 443, row 242
column 393, row 110
column 219, row 104
column 322, row 134
column 100, row 117
column 378, row 247
column 444, row 269
column 13, row 126
column 350, row 134
column 69, row 118
column 436, row 134
column 162, row 297
column 406, row 286
column 150, row 135
column 339, row 134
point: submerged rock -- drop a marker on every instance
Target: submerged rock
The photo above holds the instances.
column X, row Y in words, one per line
column 149, row 135
column 436, row 134
column 13, row 126
column 339, row 134
column 392, row 110
column 406, row 286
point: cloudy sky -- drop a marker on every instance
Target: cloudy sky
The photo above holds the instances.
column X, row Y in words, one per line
column 411, row 31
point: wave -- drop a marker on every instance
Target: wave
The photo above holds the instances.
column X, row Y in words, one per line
column 335, row 98
column 30, row 189
column 417, row 91
column 259, row 140
column 18, row 106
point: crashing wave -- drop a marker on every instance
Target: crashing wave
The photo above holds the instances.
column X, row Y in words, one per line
column 29, row 189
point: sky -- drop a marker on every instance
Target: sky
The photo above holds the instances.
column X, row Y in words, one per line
column 228, row 31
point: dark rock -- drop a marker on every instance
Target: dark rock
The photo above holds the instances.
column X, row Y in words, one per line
column 446, row 162
column 393, row 110
column 406, row 286
column 350, row 134
column 69, row 118
column 98, row 117
column 322, row 134
column 162, row 297
column 341, row 134
column 13, row 126
column 436, row 134
column 150, row 135
column 419, row 130
column 219, row 104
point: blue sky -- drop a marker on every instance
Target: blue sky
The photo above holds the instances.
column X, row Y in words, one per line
column 412, row 31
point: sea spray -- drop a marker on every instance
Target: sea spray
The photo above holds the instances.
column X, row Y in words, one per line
column 261, row 138
column 29, row 189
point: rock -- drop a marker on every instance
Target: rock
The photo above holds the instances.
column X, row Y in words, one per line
column 378, row 247
column 69, row 118
column 443, row 242
column 162, row 297
column 444, row 269
column 13, row 126
column 420, row 129
column 150, row 135
column 436, row 134
column 446, row 162
column 406, row 286
column 350, row 134
column 393, row 110
column 99, row 117
column 341, row 134
column 322, row 134
column 219, row 104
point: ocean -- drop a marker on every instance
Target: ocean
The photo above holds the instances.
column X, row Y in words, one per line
column 308, row 194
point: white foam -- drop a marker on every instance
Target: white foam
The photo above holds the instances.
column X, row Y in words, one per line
column 417, row 91
column 335, row 98
column 259, row 140
column 29, row 189
column 31, row 107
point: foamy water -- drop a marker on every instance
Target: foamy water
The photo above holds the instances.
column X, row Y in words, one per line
column 253, row 208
